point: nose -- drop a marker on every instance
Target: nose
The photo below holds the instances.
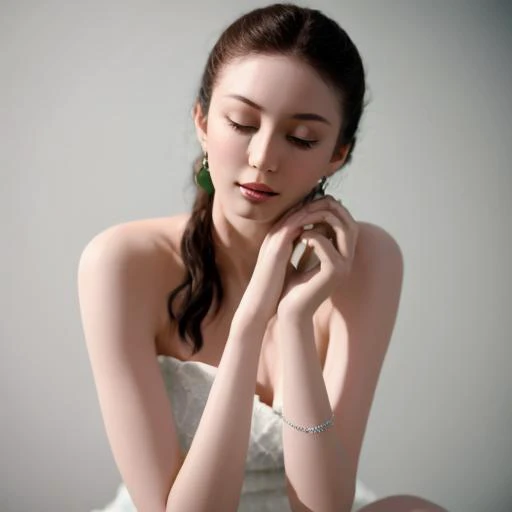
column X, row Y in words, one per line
column 263, row 153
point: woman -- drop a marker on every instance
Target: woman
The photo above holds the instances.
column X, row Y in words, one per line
column 266, row 371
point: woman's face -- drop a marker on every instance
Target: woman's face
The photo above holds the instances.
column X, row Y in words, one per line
column 272, row 121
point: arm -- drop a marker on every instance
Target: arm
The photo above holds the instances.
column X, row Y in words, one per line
column 318, row 474
column 118, row 304
column 223, row 432
column 120, row 291
column 322, row 468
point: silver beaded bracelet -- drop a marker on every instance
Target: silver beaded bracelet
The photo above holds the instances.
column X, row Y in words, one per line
column 311, row 430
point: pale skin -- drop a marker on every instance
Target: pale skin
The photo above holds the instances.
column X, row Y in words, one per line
column 319, row 338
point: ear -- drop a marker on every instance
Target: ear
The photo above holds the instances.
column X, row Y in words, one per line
column 201, row 124
column 338, row 159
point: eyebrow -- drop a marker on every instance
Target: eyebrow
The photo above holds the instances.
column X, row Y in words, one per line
column 305, row 116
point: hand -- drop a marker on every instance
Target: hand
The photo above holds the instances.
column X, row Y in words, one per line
column 305, row 291
column 265, row 288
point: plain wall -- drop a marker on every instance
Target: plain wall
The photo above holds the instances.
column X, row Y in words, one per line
column 96, row 129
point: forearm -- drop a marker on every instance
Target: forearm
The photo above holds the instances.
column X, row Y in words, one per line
column 316, row 466
column 222, row 437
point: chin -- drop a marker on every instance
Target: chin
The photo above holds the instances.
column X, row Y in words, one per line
column 261, row 214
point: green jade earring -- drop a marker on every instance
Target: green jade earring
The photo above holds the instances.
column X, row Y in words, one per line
column 203, row 178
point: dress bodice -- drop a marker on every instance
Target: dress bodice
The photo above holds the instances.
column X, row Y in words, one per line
column 188, row 385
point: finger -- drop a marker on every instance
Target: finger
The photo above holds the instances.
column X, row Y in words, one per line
column 351, row 225
column 289, row 216
column 320, row 210
column 336, row 206
column 300, row 207
column 329, row 257
column 342, row 240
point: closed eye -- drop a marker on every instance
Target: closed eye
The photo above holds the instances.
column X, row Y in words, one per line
column 301, row 143
column 240, row 127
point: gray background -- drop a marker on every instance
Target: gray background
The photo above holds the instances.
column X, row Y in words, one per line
column 95, row 106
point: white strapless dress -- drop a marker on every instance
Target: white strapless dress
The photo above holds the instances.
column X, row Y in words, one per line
column 188, row 384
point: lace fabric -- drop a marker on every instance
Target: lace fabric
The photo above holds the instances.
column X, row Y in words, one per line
column 188, row 385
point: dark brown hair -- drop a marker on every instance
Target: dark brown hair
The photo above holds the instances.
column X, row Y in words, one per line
column 279, row 29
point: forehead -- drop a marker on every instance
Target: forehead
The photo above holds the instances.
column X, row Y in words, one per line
column 280, row 84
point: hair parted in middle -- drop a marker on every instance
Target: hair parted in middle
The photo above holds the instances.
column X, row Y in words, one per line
column 279, row 29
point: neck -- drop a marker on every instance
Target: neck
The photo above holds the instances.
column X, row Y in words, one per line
column 237, row 244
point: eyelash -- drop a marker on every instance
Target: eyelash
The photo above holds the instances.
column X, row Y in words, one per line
column 301, row 143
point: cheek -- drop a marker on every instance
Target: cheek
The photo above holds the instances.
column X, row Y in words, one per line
column 226, row 153
column 310, row 164
column 225, row 150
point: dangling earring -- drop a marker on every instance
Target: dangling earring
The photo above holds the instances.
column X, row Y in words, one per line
column 318, row 191
column 322, row 185
column 203, row 178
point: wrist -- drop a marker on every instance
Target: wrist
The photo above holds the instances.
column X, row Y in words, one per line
column 294, row 316
column 294, row 328
column 248, row 325
column 254, row 306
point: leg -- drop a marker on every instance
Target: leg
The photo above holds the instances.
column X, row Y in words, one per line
column 402, row 503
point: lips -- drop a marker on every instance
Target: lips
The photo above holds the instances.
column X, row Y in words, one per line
column 259, row 187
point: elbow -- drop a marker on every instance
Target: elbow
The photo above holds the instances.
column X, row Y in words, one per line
column 348, row 501
column 348, row 494
column 342, row 501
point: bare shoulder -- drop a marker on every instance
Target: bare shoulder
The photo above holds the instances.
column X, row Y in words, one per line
column 375, row 243
column 146, row 238
column 146, row 252
column 376, row 276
